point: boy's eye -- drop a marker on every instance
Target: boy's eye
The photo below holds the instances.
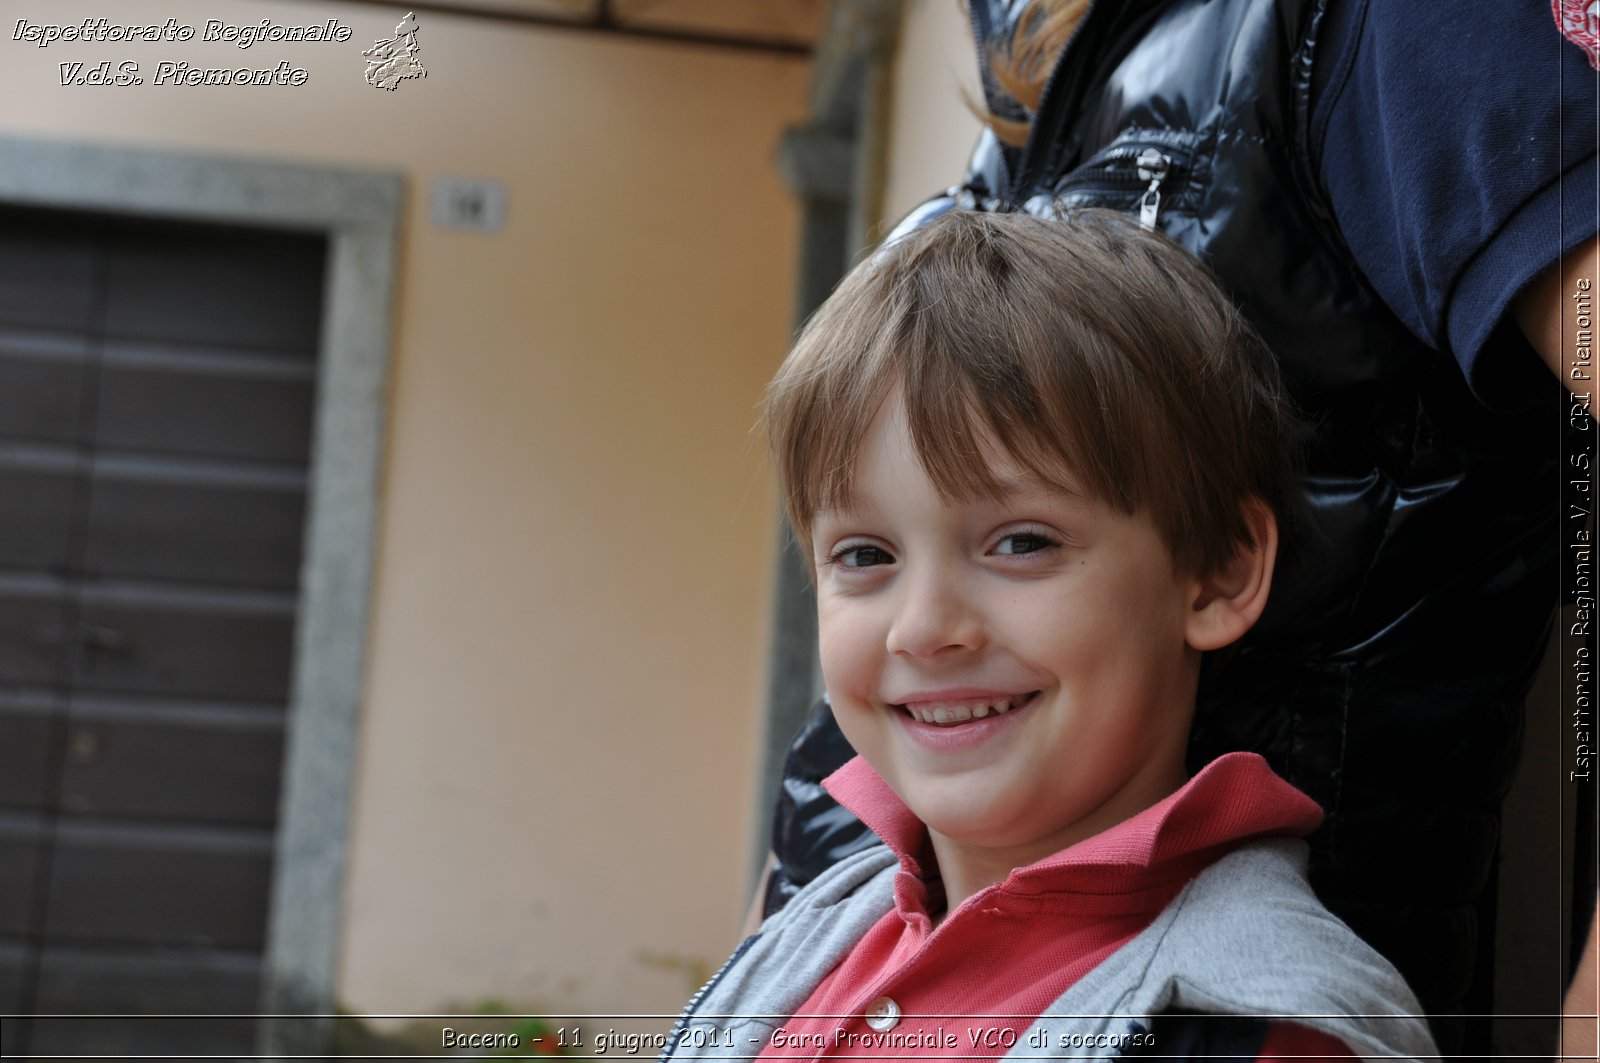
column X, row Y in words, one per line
column 861, row 557
column 1023, row 543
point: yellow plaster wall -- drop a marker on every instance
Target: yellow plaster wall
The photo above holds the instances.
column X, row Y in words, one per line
column 572, row 593
column 931, row 131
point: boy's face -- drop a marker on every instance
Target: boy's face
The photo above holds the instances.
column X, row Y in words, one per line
column 1053, row 603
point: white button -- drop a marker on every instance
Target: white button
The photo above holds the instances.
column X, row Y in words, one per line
column 884, row 1015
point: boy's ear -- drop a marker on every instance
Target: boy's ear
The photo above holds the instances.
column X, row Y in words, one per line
column 1229, row 600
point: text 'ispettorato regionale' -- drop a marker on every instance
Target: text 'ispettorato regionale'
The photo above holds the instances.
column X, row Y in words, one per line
column 212, row 31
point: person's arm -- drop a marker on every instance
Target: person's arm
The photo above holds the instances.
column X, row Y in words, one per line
column 1578, row 1010
column 1547, row 311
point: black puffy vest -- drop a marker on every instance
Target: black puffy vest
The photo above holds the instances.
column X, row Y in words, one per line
column 1415, row 597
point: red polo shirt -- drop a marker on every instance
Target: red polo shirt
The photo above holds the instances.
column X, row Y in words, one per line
column 998, row 960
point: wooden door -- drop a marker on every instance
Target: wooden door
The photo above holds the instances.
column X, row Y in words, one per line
column 157, row 383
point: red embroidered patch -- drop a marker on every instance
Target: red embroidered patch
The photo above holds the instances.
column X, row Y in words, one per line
column 1579, row 21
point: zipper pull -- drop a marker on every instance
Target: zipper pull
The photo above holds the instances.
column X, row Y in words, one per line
column 1153, row 167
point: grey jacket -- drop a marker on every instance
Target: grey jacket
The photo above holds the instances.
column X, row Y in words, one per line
column 1245, row 937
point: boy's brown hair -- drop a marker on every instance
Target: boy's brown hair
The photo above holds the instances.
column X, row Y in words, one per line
column 1085, row 345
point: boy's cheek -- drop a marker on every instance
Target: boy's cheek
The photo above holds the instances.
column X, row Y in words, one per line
column 847, row 648
column 850, row 726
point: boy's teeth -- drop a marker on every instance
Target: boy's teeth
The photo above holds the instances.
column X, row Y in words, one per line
column 947, row 714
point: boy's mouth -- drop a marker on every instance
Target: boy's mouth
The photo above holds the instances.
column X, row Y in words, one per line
column 949, row 714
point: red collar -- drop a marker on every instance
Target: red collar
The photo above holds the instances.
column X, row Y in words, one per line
column 1234, row 798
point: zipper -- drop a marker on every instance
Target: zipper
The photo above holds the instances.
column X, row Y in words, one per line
column 694, row 1001
column 1063, row 90
column 1102, row 37
column 1153, row 167
column 1132, row 174
column 978, row 13
column 1044, row 137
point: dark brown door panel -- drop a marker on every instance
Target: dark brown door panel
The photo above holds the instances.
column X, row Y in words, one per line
column 158, row 884
column 21, row 842
column 209, row 401
column 25, row 734
column 41, row 378
column 144, row 981
column 189, row 763
column 38, row 487
column 207, row 522
column 33, row 616
column 151, row 638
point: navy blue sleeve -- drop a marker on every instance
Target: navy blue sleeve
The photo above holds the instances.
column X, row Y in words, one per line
column 1456, row 144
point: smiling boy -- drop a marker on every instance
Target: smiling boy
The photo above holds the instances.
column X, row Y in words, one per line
column 1039, row 468
column 1020, row 669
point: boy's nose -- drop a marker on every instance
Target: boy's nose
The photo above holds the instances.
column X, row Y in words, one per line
column 933, row 617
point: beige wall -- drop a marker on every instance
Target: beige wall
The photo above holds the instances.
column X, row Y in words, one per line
column 931, row 130
column 571, row 586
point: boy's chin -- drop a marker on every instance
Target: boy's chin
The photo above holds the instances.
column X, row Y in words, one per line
column 1017, row 830
column 987, row 828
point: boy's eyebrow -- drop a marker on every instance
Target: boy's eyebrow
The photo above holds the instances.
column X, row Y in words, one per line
column 1005, row 486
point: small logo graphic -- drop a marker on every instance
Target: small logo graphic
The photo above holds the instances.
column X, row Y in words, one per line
column 1579, row 22
column 392, row 61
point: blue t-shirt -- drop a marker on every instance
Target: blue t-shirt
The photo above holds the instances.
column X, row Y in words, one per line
column 1456, row 143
